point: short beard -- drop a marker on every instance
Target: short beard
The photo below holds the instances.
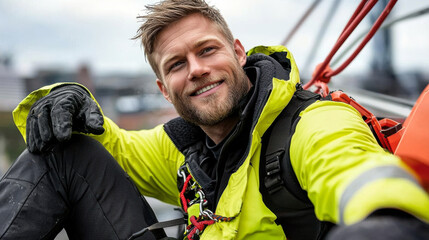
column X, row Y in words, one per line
column 238, row 90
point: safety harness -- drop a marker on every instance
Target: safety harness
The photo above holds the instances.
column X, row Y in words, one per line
column 387, row 132
column 194, row 203
column 280, row 188
column 194, row 208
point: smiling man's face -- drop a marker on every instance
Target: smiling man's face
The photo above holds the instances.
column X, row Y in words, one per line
column 201, row 73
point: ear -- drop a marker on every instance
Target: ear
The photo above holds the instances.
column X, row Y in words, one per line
column 241, row 53
column 163, row 89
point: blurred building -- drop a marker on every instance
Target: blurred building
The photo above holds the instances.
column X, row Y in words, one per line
column 12, row 89
column 383, row 77
column 49, row 76
column 133, row 101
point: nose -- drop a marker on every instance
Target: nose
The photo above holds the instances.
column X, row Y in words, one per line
column 197, row 68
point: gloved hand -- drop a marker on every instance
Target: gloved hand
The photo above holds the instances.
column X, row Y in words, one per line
column 53, row 118
column 383, row 225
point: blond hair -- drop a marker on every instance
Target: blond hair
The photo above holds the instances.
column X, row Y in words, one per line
column 162, row 14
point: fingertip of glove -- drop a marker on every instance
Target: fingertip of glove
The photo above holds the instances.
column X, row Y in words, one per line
column 97, row 130
column 63, row 134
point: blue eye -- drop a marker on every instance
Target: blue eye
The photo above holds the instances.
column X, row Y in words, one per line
column 176, row 65
column 206, row 50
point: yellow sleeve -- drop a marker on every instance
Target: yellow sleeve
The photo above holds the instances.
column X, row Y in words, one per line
column 346, row 174
column 148, row 156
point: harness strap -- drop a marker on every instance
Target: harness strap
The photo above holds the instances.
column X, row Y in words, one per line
column 280, row 180
column 157, row 226
column 280, row 188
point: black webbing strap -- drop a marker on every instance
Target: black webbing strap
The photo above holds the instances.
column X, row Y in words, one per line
column 159, row 225
column 280, row 180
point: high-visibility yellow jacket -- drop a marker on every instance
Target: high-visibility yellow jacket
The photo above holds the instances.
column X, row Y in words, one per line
column 336, row 159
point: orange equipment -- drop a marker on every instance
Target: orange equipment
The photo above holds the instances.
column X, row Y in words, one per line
column 413, row 147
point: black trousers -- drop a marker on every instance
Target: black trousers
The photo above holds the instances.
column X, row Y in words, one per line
column 77, row 186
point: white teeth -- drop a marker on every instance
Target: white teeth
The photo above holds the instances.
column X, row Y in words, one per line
column 205, row 89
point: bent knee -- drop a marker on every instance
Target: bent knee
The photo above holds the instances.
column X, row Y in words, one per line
column 82, row 150
column 80, row 143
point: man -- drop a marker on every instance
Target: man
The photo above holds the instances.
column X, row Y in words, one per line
column 208, row 160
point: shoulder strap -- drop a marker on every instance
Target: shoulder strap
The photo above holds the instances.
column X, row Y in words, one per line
column 279, row 179
column 280, row 188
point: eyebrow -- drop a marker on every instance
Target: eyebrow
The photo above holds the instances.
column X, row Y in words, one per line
column 203, row 41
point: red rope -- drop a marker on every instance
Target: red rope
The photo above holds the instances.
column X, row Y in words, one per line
column 198, row 226
column 323, row 73
column 201, row 224
column 182, row 194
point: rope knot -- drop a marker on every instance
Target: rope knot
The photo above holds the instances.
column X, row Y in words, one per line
column 323, row 75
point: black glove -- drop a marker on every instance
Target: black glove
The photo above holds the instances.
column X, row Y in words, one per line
column 383, row 225
column 65, row 109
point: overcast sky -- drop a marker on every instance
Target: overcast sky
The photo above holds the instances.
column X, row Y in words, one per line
column 67, row 33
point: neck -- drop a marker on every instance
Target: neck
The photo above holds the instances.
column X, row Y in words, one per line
column 219, row 131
